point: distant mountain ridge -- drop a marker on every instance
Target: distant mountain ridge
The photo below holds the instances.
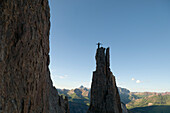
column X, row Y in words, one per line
column 149, row 100
column 81, row 91
column 79, row 99
column 84, row 91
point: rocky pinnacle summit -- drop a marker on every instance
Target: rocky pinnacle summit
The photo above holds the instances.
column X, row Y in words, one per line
column 104, row 92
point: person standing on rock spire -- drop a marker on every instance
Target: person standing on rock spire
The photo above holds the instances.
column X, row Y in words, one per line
column 104, row 96
column 99, row 44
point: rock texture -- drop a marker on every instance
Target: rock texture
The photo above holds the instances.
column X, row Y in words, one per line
column 25, row 83
column 124, row 109
column 104, row 92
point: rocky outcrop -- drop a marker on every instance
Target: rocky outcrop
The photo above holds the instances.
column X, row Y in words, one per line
column 124, row 95
column 124, row 109
column 25, row 83
column 104, row 92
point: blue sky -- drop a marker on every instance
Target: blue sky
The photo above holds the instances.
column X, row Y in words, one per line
column 137, row 32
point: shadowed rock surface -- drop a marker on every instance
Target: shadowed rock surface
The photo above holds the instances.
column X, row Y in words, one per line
column 104, row 92
column 25, row 83
column 124, row 109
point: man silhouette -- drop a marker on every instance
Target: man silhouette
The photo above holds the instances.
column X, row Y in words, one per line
column 99, row 44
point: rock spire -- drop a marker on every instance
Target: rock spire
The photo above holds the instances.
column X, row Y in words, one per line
column 104, row 92
column 25, row 83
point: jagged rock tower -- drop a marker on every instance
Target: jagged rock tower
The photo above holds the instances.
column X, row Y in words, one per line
column 25, row 83
column 104, row 93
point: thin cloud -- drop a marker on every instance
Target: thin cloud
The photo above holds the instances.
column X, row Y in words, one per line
column 133, row 79
column 63, row 76
column 138, row 81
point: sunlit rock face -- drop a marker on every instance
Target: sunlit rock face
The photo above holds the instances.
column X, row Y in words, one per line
column 104, row 92
column 25, row 83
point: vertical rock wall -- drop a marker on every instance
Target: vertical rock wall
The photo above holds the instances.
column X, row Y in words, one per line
column 104, row 93
column 25, row 83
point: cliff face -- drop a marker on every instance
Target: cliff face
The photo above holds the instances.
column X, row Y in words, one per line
column 104, row 92
column 25, row 83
